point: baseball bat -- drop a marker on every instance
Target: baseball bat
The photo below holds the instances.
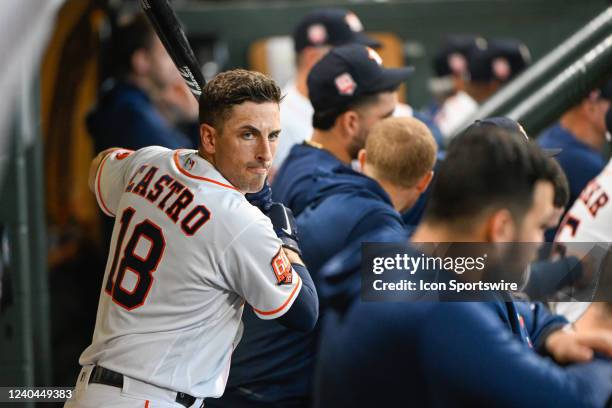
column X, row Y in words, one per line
column 168, row 28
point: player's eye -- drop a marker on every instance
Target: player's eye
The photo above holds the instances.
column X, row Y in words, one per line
column 273, row 136
column 248, row 136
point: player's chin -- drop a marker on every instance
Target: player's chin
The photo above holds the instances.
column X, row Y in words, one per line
column 255, row 183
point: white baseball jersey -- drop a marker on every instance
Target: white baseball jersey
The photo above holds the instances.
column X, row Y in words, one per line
column 589, row 220
column 296, row 122
column 453, row 113
column 187, row 251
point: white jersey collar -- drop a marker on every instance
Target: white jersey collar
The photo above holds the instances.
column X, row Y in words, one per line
column 192, row 165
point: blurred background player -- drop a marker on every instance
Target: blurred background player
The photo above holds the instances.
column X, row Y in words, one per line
column 491, row 65
column 581, row 136
column 468, row 352
column 350, row 91
column 589, row 220
column 145, row 95
column 450, row 66
column 315, row 34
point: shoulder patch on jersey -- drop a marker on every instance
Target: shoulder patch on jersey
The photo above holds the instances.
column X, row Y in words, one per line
column 282, row 267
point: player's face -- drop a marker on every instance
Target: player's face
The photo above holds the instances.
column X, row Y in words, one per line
column 368, row 116
column 600, row 109
column 539, row 215
column 521, row 249
column 163, row 72
column 246, row 145
column 530, row 233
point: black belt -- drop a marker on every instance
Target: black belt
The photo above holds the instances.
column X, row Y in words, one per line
column 101, row 375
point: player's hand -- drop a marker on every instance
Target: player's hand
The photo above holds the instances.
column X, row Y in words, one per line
column 569, row 346
column 261, row 199
column 284, row 225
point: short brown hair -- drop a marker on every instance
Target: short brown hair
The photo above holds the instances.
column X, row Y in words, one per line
column 400, row 150
column 233, row 88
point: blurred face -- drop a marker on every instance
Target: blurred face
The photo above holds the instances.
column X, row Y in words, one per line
column 162, row 70
column 598, row 117
column 243, row 149
column 555, row 218
column 520, row 249
column 368, row 115
column 539, row 215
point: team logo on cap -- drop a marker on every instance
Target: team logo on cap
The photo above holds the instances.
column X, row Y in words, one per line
column 501, row 69
column 317, row 34
column 353, row 22
column 373, row 55
column 345, row 84
column 457, row 63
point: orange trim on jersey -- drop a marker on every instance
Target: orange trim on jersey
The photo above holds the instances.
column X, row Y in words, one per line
column 146, row 404
column 186, row 173
column 98, row 190
column 291, row 295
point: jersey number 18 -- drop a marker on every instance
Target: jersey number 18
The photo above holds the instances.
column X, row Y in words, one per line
column 142, row 267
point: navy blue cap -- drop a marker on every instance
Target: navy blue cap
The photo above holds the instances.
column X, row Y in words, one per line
column 330, row 26
column 606, row 90
column 452, row 57
column 501, row 60
column 350, row 71
column 511, row 126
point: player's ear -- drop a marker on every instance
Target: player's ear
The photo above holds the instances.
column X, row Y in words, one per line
column 349, row 122
column 207, row 138
column 423, row 183
column 361, row 158
column 500, row 227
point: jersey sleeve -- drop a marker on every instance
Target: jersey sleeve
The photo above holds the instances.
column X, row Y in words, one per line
column 257, row 269
column 114, row 172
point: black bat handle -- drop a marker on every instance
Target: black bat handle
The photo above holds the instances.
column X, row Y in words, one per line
column 172, row 36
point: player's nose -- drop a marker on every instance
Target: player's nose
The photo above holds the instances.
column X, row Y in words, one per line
column 264, row 150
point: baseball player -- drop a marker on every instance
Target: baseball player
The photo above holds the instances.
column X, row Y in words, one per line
column 315, row 34
column 462, row 354
column 350, row 90
column 588, row 220
column 581, row 134
column 188, row 250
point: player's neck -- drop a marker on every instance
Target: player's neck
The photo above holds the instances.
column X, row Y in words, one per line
column 401, row 198
column 328, row 141
column 439, row 232
column 582, row 130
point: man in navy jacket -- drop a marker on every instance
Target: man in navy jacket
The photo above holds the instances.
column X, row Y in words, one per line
column 349, row 90
column 492, row 188
column 581, row 136
column 345, row 205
